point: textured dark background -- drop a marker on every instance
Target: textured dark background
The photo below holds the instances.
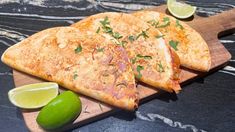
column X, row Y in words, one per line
column 207, row 104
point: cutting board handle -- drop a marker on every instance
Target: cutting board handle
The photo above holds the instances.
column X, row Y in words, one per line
column 224, row 21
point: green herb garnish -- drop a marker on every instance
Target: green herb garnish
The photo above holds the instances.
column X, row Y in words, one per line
column 144, row 56
column 139, row 68
column 98, row 30
column 118, row 42
column 160, row 36
column 174, row 44
column 153, row 23
column 166, row 21
column 78, row 49
column 117, row 35
column 179, row 25
column 105, row 21
column 107, row 29
column 106, row 26
column 100, row 49
column 133, row 60
column 75, row 75
column 144, row 34
column 164, row 25
column 160, row 67
column 131, row 38
column 122, row 43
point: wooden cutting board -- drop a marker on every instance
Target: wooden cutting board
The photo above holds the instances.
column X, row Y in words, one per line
column 209, row 28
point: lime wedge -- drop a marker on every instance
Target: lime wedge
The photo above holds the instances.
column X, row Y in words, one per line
column 180, row 10
column 33, row 95
column 60, row 111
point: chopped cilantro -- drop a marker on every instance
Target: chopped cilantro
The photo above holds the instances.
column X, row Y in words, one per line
column 166, row 21
column 133, row 60
column 164, row 25
column 78, row 49
column 160, row 36
column 122, row 43
column 98, row 30
column 105, row 21
column 107, row 29
column 75, row 75
column 144, row 34
column 144, row 56
column 131, row 38
column 106, row 26
column 160, row 67
column 118, row 42
column 117, row 35
column 139, row 68
column 153, row 23
column 174, row 44
column 179, row 25
column 100, row 49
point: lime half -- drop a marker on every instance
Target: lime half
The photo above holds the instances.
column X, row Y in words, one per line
column 33, row 95
column 179, row 9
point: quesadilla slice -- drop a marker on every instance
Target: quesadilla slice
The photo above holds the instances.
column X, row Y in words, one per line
column 153, row 62
column 83, row 64
column 191, row 48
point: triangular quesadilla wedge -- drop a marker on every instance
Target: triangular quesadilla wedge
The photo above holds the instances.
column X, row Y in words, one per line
column 152, row 60
column 191, row 48
column 87, row 66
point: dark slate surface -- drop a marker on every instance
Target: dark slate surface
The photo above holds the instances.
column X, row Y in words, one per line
column 208, row 104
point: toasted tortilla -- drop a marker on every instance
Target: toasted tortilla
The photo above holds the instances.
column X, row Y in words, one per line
column 79, row 63
column 191, row 48
column 153, row 62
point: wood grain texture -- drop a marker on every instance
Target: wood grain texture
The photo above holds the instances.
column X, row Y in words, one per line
column 92, row 110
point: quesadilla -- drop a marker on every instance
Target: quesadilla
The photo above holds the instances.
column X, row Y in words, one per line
column 80, row 63
column 153, row 62
column 191, row 48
